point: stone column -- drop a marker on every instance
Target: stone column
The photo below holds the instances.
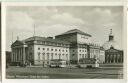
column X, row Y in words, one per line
column 24, row 57
column 114, row 58
column 12, row 54
column 110, row 58
column 118, row 58
column 121, row 58
column 106, row 58
column 20, row 55
column 16, row 55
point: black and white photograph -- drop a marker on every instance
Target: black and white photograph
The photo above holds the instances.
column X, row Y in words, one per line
column 64, row 42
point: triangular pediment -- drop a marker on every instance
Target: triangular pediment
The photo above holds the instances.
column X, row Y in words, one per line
column 17, row 43
column 112, row 50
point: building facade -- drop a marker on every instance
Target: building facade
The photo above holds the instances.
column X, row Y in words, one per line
column 70, row 46
column 113, row 56
column 39, row 51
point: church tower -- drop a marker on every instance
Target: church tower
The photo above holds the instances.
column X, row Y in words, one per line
column 110, row 42
column 111, row 36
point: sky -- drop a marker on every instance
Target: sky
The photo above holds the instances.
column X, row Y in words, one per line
column 54, row 20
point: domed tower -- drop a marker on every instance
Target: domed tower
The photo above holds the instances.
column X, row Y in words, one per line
column 110, row 42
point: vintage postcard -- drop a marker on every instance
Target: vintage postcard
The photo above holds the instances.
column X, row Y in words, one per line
column 64, row 41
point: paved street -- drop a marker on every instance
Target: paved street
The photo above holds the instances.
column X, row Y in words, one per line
column 64, row 73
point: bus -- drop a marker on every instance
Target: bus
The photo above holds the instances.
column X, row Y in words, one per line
column 88, row 63
column 58, row 63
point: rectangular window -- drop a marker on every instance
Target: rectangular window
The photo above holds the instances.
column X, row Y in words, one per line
column 38, row 48
column 43, row 42
column 83, row 56
column 38, row 55
column 47, row 49
column 51, row 49
column 73, row 54
column 43, row 56
column 67, row 56
column 47, row 56
column 51, row 56
column 59, row 56
column 80, row 55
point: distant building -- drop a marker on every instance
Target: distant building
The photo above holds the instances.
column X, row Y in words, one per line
column 112, row 52
column 113, row 55
column 70, row 46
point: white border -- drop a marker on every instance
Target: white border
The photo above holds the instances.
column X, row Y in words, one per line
column 63, row 3
column 5, row 4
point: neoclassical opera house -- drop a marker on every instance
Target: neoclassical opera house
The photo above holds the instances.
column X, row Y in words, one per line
column 112, row 52
column 70, row 46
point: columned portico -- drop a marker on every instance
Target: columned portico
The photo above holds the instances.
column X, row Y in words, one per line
column 115, row 57
column 18, row 53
